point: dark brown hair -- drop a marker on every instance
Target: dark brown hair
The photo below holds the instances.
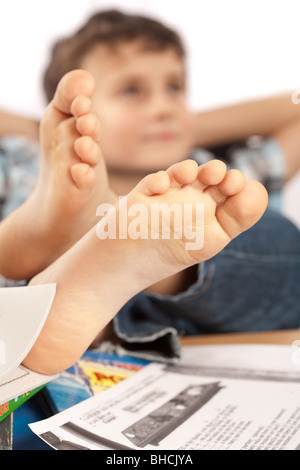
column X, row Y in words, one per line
column 109, row 28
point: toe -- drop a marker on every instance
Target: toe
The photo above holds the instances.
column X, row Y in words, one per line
column 155, row 183
column 74, row 83
column 87, row 150
column 242, row 210
column 83, row 176
column 81, row 105
column 89, row 125
column 211, row 173
column 183, row 173
column 232, row 183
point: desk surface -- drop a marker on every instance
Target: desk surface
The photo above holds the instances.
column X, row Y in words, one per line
column 269, row 337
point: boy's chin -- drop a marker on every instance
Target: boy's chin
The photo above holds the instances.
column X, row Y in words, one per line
column 139, row 171
column 141, row 168
column 160, row 162
column 148, row 162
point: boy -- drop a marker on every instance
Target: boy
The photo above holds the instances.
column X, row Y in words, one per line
column 89, row 274
column 139, row 99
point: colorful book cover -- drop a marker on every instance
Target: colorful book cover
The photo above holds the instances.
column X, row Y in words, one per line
column 11, row 405
column 90, row 375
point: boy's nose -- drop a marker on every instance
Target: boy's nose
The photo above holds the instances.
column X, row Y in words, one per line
column 160, row 106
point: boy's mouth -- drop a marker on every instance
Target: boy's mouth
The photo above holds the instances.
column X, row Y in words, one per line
column 164, row 136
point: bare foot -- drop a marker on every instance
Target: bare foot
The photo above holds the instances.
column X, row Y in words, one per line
column 72, row 170
column 72, row 182
column 96, row 277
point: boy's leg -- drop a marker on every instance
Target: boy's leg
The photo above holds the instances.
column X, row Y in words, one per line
column 72, row 182
column 96, row 277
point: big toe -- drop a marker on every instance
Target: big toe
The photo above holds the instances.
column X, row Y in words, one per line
column 73, row 84
column 242, row 210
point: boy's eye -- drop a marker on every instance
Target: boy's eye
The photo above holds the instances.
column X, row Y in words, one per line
column 131, row 91
column 174, row 87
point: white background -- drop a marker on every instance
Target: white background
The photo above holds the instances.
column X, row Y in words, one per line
column 237, row 49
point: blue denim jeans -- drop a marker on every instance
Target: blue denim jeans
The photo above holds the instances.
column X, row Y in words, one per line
column 252, row 285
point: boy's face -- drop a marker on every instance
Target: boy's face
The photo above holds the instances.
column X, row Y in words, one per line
column 140, row 100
